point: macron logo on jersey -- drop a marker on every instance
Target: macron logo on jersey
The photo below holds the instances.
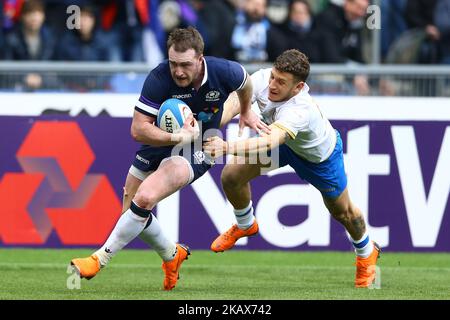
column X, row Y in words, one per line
column 182, row 96
column 142, row 159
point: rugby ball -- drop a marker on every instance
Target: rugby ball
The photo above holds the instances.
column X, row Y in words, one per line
column 172, row 114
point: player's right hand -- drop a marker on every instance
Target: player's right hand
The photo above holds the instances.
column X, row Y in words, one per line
column 189, row 132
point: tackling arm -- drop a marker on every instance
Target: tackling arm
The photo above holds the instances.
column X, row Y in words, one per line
column 257, row 145
column 216, row 147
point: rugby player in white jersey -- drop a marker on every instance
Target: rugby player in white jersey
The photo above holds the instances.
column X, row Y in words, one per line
column 302, row 137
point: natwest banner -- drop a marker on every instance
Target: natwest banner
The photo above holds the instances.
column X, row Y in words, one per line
column 61, row 180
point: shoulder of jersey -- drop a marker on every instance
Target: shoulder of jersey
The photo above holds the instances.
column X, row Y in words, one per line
column 218, row 64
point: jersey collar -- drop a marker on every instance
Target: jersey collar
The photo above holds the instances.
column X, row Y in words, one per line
column 205, row 76
column 305, row 89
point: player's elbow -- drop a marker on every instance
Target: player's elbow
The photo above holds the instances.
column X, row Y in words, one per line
column 136, row 132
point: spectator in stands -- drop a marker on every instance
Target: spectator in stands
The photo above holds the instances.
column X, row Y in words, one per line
column 88, row 43
column 301, row 32
column 85, row 44
column 318, row 6
column 442, row 22
column 56, row 12
column 11, row 13
column 393, row 22
column 124, row 20
column 31, row 40
column 1, row 31
column 419, row 15
column 277, row 11
column 344, row 25
column 182, row 14
column 218, row 18
column 254, row 38
column 154, row 37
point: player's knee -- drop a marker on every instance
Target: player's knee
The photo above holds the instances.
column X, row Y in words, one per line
column 140, row 211
column 145, row 199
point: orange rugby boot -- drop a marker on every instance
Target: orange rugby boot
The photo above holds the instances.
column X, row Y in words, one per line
column 171, row 268
column 86, row 267
column 366, row 268
column 227, row 239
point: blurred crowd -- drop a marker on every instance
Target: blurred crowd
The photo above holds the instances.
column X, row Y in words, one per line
column 244, row 30
column 250, row 31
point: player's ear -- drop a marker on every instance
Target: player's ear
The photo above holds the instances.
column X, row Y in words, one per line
column 299, row 87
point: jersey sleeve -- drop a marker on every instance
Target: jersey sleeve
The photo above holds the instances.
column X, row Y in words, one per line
column 153, row 94
column 291, row 120
column 237, row 76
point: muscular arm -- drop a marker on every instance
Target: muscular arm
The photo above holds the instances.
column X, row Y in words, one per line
column 240, row 102
column 245, row 96
column 216, row 147
column 257, row 145
column 145, row 131
column 236, row 99
column 231, row 108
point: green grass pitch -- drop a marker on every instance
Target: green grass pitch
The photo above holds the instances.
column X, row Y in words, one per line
column 234, row 275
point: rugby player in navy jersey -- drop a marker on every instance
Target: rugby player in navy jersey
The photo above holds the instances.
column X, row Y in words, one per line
column 204, row 84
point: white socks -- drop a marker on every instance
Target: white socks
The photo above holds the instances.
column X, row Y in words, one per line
column 154, row 237
column 127, row 228
column 245, row 217
column 363, row 247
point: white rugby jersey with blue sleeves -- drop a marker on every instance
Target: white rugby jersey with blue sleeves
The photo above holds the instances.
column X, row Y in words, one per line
column 312, row 136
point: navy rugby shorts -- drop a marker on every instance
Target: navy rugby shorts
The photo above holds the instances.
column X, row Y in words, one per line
column 148, row 159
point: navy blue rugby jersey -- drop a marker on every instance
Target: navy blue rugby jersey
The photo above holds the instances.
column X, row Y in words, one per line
column 220, row 79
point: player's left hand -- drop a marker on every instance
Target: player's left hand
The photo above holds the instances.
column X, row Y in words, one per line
column 250, row 119
column 215, row 147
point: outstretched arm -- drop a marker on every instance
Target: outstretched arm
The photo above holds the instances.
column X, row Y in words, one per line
column 216, row 147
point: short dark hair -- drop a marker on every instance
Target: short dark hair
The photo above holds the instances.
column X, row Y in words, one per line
column 184, row 39
column 293, row 62
column 305, row 2
column 32, row 6
column 88, row 9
